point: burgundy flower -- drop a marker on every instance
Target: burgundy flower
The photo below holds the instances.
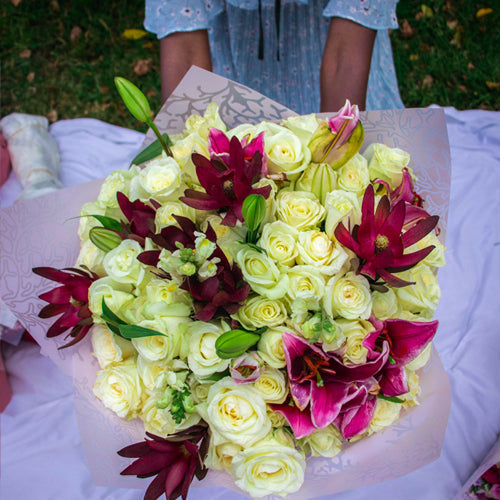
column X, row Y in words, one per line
column 380, row 240
column 221, row 294
column 140, row 217
column 227, row 180
column 174, row 461
column 323, row 389
column 70, row 300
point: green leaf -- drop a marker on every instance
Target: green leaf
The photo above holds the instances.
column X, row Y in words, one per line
column 392, row 399
column 135, row 332
column 152, row 151
column 215, row 377
column 107, row 222
column 109, row 316
column 134, row 99
column 114, row 329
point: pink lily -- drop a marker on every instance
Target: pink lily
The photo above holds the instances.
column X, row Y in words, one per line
column 379, row 241
column 246, row 368
column 320, row 384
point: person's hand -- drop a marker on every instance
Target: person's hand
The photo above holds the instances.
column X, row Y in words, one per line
column 346, row 64
column 178, row 52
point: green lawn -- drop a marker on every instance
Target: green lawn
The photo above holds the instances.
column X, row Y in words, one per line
column 59, row 58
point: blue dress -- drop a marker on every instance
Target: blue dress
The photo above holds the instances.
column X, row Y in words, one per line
column 291, row 35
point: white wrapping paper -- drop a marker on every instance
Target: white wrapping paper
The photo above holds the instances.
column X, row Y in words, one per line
column 40, row 232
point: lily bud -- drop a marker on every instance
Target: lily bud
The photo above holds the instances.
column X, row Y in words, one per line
column 338, row 139
column 104, row 239
column 319, row 179
column 233, row 343
column 134, row 99
column 254, row 211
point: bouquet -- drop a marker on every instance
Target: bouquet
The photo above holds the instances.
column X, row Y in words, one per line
column 256, row 296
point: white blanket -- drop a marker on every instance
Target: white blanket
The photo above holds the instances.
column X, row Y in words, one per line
column 41, row 451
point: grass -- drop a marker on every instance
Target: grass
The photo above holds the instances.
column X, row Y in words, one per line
column 59, row 59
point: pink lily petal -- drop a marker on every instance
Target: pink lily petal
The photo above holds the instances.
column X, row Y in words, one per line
column 382, row 212
column 301, row 393
column 393, row 381
column 357, row 420
column 218, row 142
column 326, row 402
column 421, row 229
column 300, row 421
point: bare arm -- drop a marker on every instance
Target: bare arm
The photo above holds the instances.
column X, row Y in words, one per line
column 346, row 64
column 178, row 52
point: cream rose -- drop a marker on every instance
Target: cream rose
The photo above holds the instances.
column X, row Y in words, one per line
column 422, row 359
column 120, row 389
column 158, row 421
column 153, row 374
column 86, row 222
column 340, row 204
column 261, row 273
column 121, row 263
column 90, row 256
column 159, row 180
column 422, row 297
column 326, row 442
column 411, row 397
column 272, row 385
column 202, row 124
column 270, row 346
column 305, row 282
column 386, row 413
column 109, row 348
column 165, row 214
column 269, row 468
column 117, row 181
column 299, row 209
column 353, row 176
column 303, row 126
column 235, row 413
column 202, row 357
column 355, row 331
column 317, row 249
column 183, row 150
column 348, row 296
column 116, row 295
column 436, row 258
column 386, row 163
column 220, row 456
column 279, row 240
column 385, row 305
column 259, row 311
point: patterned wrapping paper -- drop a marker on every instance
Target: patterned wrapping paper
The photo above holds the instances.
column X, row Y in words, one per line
column 40, row 232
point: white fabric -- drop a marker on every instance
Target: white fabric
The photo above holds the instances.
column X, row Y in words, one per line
column 42, row 456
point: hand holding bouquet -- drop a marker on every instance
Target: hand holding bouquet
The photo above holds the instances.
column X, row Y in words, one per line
column 256, row 296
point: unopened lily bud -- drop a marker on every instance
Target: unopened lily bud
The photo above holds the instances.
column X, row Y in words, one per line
column 319, row 179
column 104, row 239
column 338, row 139
column 234, row 343
column 134, row 99
column 254, row 211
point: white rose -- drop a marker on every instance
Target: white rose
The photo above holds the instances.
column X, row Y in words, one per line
column 164, row 215
column 305, row 282
column 326, row 442
column 303, row 126
column 109, row 348
column 269, row 468
column 86, row 223
column 259, row 311
column 91, row 257
column 183, row 150
column 272, row 385
column 411, row 397
column 353, row 176
column 117, row 181
column 202, row 357
column 202, row 124
column 116, row 295
column 279, row 241
column 270, row 346
column 386, row 413
column 199, row 388
column 340, row 204
column 422, row 359
column 355, row 331
column 158, row 421
column 220, row 456
column 386, row 163
column 153, row 374
column 119, row 388
column 159, row 180
column 348, row 296
column 299, row 209
column 422, row 297
column 121, row 263
column 235, row 413
column 385, row 305
column 317, row 249
column 436, row 258
column 261, row 273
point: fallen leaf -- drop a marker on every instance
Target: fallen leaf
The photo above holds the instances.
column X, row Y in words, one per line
column 75, row 33
column 52, row 116
column 54, row 5
column 427, row 81
column 25, row 54
column 30, row 77
column 493, row 85
column 406, row 31
column 413, row 57
column 134, row 34
column 143, row 66
column 452, row 24
column 104, row 89
column 463, row 88
column 15, row 3
column 148, row 45
column 419, row 15
column 470, row 66
column 105, row 106
column 483, row 12
column 32, row 90
column 151, row 93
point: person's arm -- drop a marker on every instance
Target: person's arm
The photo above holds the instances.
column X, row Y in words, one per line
column 346, row 64
column 178, row 51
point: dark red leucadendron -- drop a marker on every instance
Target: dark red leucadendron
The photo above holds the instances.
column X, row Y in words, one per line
column 70, row 300
column 174, row 461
